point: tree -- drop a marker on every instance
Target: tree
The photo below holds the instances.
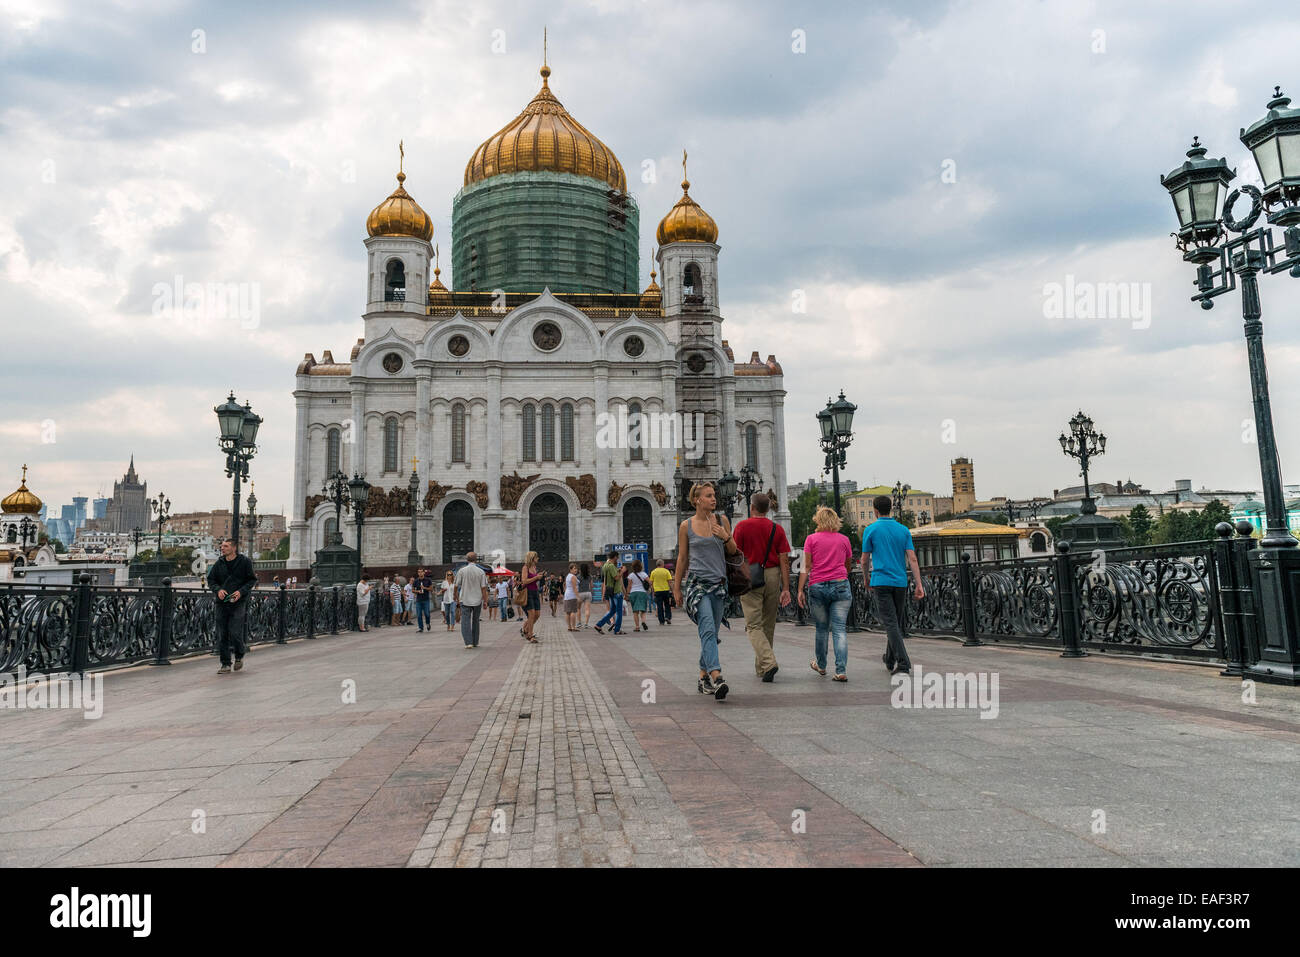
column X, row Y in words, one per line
column 906, row 519
column 943, row 517
column 851, row 532
column 801, row 515
column 1054, row 524
column 1214, row 513
column 282, row 549
column 1140, row 524
column 59, row 547
column 1176, row 526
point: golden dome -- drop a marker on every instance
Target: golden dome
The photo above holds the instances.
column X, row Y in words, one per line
column 399, row 214
column 545, row 138
column 436, row 289
column 687, row 222
column 652, row 292
column 21, row 502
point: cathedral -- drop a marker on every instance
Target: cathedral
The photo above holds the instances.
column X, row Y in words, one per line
column 544, row 401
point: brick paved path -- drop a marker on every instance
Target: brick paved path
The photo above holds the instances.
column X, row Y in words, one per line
column 554, row 775
column 285, row 771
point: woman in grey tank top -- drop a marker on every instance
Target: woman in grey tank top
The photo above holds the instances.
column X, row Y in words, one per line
column 703, row 543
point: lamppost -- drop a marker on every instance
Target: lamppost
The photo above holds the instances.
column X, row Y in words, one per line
column 1195, row 187
column 336, row 490
column 413, row 486
column 1013, row 513
column 1084, row 443
column 251, row 522
column 750, row 482
column 161, row 507
column 923, row 518
column 359, row 489
column 238, row 440
column 136, row 535
column 899, row 495
column 727, row 493
column 836, row 422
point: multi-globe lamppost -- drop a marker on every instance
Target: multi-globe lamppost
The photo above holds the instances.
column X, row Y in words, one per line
column 251, row 522
column 899, row 495
column 1202, row 236
column 1085, row 443
column 836, row 422
column 359, row 489
column 238, row 440
column 161, row 508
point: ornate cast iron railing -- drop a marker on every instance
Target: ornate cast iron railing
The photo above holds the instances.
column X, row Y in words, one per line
column 50, row 628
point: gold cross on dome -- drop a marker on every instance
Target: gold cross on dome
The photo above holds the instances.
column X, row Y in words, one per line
column 401, row 153
column 24, row 474
column 413, row 461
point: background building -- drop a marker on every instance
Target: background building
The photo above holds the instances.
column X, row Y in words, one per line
column 827, row 488
column 859, row 510
column 963, row 485
column 129, row 506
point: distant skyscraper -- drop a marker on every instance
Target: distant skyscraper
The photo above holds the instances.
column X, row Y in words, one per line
column 79, row 511
column 129, row 507
column 100, row 506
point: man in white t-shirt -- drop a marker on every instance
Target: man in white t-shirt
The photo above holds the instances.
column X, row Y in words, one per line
column 472, row 593
column 503, row 597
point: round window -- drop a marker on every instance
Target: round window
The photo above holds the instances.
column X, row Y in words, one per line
column 458, row 345
column 392, row 363
column 633, row 346
column 546, row 336
column 695, row 362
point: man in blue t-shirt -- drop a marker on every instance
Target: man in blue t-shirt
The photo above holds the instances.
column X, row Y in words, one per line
column 887, row 553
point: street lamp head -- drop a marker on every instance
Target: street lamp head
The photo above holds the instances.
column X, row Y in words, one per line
column 252, row 501
column 1275, row 143
column 1195, row 188
column 842, row 416
column 230, row 416
column 248, row 431
column 826, row 419
column 1101, row 441
column 727, row 486
column 1065, row 443
column 359, row 489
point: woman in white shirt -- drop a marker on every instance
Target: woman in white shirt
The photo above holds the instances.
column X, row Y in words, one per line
column 363, row 602
column 448, row 589
column 571, row 597
column 638, row 596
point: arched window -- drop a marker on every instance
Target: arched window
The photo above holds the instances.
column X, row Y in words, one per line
column 634, row 437
column 529, row 437
column 395, row 281
column 331, row 529
column 332, row 464
column 390, row 445
column 1038, row 542
column 692, row 287
column 751, row 447
column 566, row 432
column 548, row 433
column 458, row 432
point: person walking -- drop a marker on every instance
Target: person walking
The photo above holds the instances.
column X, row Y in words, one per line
column 638, row 594
column 231, row 579
column 395, row 596
column 887, row 554
column 423, row 596
column 408, row 601
column 612, row 587
column 824, row 589
column 553, row 591
column 472, row 593
column 530, row 579
column 765, row 546
column 661, row 587
column 503, row 597
column 447, row 594
column 584, row 594
column 363, row 602
column 703, row 543
column 571, row 598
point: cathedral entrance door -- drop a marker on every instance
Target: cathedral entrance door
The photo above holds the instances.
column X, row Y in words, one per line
column 638, row 524
column 457, row 530
column 548, row 528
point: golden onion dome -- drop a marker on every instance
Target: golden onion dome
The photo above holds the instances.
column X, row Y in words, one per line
column 687, row 222
column 545, row 138
column 400, row 214
column 22, row 501
column 436, row 289
column 652, row 291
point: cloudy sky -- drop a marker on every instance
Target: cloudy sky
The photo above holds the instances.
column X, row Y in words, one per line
column 922, row 175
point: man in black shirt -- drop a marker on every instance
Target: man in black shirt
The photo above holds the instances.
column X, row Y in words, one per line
column 232, row 579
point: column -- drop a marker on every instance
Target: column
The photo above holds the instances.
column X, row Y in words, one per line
column 778, row 450
column 493, row 435
column 602, row 456
column 301, row 464
column 359, row 430
column 728, row 436
column 423, row 427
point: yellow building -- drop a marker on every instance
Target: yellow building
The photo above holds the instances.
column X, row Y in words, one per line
column 963, row 485
column 859, row 510
column 943, row 544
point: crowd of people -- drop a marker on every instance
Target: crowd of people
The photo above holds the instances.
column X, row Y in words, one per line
column 710, row 554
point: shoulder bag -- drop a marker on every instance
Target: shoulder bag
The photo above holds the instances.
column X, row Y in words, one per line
column 757, row 571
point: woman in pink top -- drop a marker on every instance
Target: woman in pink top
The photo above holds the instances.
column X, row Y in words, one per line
column 824, row 588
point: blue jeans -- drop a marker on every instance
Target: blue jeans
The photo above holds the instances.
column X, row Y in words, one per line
column 708, row 620
column 615, row 612
column 502, row 604
column 422, row 619
column 829, row 602
column 449, row 613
